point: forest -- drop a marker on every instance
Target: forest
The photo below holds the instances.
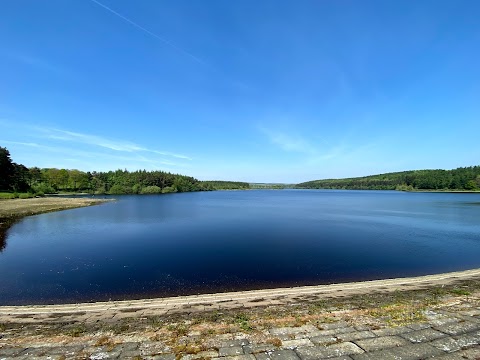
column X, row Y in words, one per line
column 17, row 178
column 463, row 178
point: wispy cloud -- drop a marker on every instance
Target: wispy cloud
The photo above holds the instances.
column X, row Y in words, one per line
column 151, row 33
column 288, row 142
column 38, row 63
column 235, row 83
column 315, row 149
column 165, row 153
column 117, row 145
column 45, row 146
column 20, row 143
column 91, row 160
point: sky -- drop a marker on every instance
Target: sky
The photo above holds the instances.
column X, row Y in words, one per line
column 258, row 91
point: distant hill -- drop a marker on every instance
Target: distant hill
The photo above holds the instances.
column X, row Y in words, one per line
column 269, row 186
column 224, row 185
column 464, row 178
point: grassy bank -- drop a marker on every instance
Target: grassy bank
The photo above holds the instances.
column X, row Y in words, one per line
column 10, row 195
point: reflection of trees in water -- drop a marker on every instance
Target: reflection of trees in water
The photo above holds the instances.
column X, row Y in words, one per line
column 3, row 239
column 3, row 234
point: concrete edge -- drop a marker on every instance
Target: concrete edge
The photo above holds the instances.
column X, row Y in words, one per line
column 243, row 296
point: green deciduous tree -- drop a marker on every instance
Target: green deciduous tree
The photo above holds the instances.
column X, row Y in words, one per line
column 151, row 190
column 77, row 179
column 471, row 185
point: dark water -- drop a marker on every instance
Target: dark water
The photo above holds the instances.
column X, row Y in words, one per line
column 161, row 245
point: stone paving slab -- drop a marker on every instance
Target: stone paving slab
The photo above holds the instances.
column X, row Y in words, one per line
column 451, row 344
column 381, row 343
column 230, row 351
column 392, row 331
column 259, row 348
column 472, row 353
column 287, row 331
column 423, row 335
column 284, row 355
column 238, row 357
column 324, row 340
column 235, row 342
column 293, row 344
column 164, row 357
column 356, row 335
column 469, row 354
column 409, row 345
column 342, row 330
column 458, row 328
column 419, row 326
column 333, row 326
column 409, row 352
column 325, row 352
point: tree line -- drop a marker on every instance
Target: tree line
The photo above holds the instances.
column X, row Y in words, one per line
column 18, row 178
column 13, row 176
column 463, row 178
column 225, row 185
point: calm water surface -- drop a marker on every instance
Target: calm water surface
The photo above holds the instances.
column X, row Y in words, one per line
column 163, row 245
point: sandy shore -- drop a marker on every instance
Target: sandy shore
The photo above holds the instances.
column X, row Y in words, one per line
column 18, row 208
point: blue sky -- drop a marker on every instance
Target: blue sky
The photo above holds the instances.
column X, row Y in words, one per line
column 264, row 91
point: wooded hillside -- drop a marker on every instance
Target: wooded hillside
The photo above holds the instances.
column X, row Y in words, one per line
column 464, row 178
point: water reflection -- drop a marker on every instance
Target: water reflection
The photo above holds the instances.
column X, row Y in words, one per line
column 4, row 227
column 3, row 240
column 178, row 244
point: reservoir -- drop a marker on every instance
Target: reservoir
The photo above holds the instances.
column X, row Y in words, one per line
column 147, row 246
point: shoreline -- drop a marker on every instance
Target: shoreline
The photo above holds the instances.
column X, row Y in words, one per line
column 444, row 191
column 12, row 210
column 423, row 317
column 252, row 298
column 405, row 191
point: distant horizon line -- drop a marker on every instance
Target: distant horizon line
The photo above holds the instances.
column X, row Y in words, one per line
column 263, row 182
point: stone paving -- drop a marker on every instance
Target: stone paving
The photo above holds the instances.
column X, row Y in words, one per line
column 445, row 336
column 445, row 332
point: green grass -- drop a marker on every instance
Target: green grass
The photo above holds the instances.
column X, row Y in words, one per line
column 178, row 329
column 120, row 328
column 243, row 321
column 400, row 314
column 7, row 195
column 460, row 292
column 76, row 330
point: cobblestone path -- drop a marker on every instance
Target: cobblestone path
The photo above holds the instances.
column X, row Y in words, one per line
column 444, row 336
column 447, row 331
